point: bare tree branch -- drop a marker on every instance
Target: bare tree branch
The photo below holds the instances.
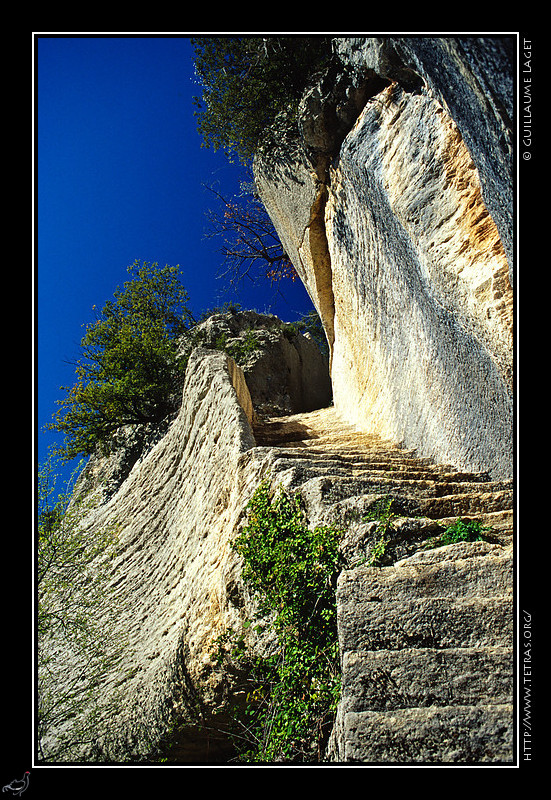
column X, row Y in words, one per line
column 250, row 245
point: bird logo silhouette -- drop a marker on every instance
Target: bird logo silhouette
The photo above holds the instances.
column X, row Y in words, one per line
column 17, row 787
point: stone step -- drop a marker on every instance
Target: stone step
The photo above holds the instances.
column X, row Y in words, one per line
column 380, row 455
column 426, row 643
column 391, row 461
column 448, row 734
column 400, row 470
column 412, row 498
column 409, row 678
column 435, row 622
column 354, row 510
column 500, row 521
column 455, row 570
column 458, row 505
column 337, row 467
column 404, row 480
column 453, row 596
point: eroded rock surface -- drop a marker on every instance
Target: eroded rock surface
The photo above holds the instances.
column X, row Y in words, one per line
column 176, row 512
column 177, row 581
column 403, row 240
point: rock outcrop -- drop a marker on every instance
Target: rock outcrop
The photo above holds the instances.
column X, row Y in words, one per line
column 177, row 581
column 175, row 512
column 284, row 372
column 396, row 210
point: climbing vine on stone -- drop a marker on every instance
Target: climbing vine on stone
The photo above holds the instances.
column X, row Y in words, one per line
column 292, row 569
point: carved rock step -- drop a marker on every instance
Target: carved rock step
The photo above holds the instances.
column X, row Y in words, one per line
column 435, row 622
column 449, row 734
column 344, row 486
column 427, row 658
column 386, row 680
column 401, row 473
column 455, row 505
column 454, row 571
column 326, row 462
column 347, row 462
column 436, row 497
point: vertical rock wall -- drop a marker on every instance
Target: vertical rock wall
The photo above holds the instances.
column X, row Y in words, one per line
column 176, row 512
column 394, row 240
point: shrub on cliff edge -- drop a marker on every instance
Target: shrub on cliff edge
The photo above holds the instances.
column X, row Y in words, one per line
column 247, row 80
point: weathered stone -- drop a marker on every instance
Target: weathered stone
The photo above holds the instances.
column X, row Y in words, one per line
column 407, row 228
column 418, row 678
column 441, row 735
column 472, row 77
column 176, row 581
column 285, row 372
column 177, row 511
column 427, row 658
column 394, row 241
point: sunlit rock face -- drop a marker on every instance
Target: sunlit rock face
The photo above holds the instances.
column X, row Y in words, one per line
column 395, row 208
column 402, row 238
column 175, row 513
column 175, row 581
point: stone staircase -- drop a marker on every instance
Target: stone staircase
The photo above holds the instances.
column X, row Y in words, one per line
column 426, row 635
column 427, row 658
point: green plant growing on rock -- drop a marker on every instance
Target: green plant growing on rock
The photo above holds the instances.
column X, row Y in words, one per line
column 292, row 570
column 239, row 349
column 383, row 514
column 309, row 323
column 460, row 531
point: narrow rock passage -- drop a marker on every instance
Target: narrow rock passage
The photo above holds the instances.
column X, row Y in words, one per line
column 426, row 635
column 364, row 462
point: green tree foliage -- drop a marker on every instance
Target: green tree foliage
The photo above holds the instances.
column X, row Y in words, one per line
column 129, row 359
column 247, row 81
column 76, row 617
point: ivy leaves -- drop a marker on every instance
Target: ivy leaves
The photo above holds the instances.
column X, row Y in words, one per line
column 292, row 569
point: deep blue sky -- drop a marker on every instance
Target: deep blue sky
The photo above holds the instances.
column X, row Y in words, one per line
column 120, row 176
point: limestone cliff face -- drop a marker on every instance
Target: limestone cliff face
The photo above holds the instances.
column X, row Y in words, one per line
column 176, row 510
column 176, row 584
column 396, row 209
